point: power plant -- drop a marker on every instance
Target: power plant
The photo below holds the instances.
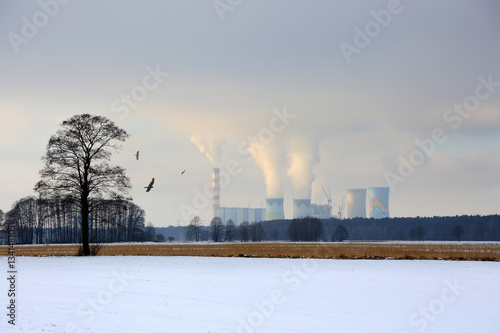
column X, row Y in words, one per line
column 236, row 214
column 300, row 154
column 357, row 198
column 321, row 211
column 378, row 200
column 301, row 208
column 239, row 215
column 356, row 203
column 274, row 209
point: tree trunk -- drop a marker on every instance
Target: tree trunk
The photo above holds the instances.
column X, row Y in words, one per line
column 85, row 226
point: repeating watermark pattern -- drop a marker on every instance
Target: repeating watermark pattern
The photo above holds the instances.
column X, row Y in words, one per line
column 11, row 274
column 87, row 310
column 372, row 29
column 292, row 280
column 202, row 197
column 421, row 319
column 138, row 93
column 223, row 6
column 30, row 28
column 453, row 117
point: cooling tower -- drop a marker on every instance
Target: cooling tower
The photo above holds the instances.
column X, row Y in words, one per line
column 216, row 190
column 356, row 203
column 274, row 209
column 378, row 199
column 301, row 208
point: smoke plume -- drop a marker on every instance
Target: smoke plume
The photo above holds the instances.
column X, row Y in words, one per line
column 293, row 152
column 303, row 154
column 270, row 159
column 211, row 148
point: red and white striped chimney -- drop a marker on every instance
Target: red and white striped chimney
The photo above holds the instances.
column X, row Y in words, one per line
column 216, row 190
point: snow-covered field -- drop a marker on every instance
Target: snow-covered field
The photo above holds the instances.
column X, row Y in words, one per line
column 195, row 294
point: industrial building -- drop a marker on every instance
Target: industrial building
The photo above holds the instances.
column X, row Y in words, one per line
column 378, row 201
column 301, row 208
column 239, row 215
column 356, row 203
column 274, row 209
column 236, row 214
column 357, row 199
column 321, row 211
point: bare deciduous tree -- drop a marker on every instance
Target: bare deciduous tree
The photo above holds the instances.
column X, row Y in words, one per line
column 150, row 233
column 159, row 238
column 193, row 230
column 217, row 229
column 308, row 229
column 76, row 166
column 244, row 231
column 256, row 231
column 229, row 231
column 340, row 234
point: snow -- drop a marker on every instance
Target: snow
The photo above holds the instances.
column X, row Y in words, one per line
column 244, row 295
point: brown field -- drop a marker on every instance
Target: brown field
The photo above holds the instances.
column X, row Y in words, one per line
column 345, row 250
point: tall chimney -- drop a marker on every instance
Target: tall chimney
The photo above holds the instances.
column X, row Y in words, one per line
column 216, row 190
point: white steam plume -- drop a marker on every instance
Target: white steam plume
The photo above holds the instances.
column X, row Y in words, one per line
column 211, row 148
column 303, row 154
column 270, row 158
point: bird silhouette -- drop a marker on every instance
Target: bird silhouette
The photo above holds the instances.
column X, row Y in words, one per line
column 150, row 186
column 137, row 155
column 183, row 172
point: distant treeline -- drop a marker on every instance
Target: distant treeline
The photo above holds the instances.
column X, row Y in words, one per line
column 475, row 228
column 470, row 228
column 57, row 220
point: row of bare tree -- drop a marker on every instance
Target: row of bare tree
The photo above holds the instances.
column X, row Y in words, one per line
column 220, row 232
column 58, row 220
column 307, row 229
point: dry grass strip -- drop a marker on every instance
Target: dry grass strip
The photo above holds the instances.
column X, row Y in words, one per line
column 346, row 250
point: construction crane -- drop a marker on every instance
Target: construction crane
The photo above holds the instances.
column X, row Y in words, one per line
column 329, row 199
column 341, row 208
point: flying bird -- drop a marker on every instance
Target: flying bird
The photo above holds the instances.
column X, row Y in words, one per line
column 137, row 155
column 183, row 172
column 150, row 186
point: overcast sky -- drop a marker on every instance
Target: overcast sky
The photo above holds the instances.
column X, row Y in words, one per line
column 356, row 82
